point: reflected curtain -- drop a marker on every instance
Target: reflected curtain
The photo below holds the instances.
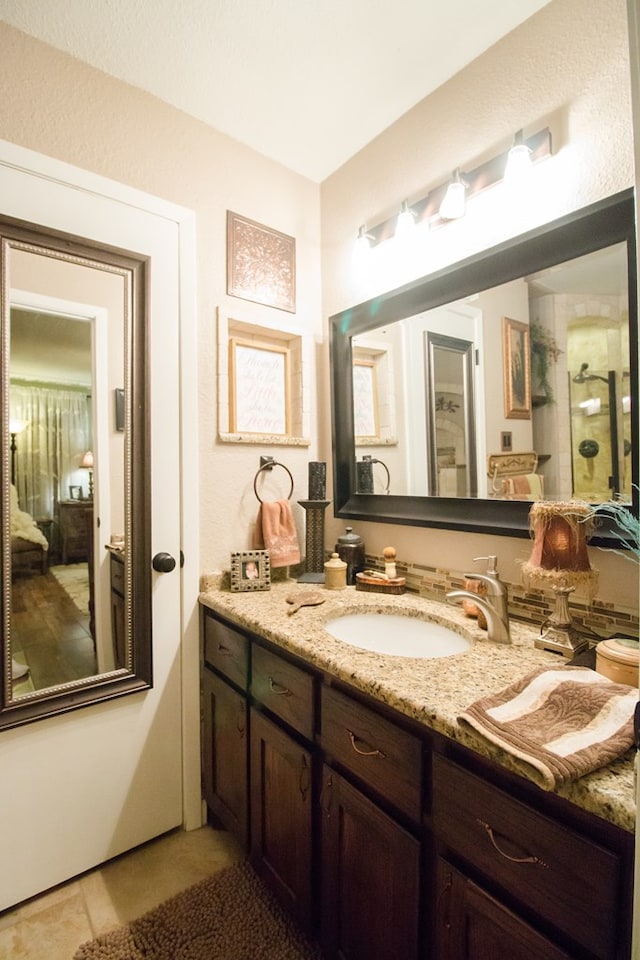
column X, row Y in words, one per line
column 50, row 449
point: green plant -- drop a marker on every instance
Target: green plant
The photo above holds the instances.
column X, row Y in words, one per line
column 544, row 352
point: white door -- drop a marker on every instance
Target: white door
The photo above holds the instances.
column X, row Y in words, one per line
column 78, row 789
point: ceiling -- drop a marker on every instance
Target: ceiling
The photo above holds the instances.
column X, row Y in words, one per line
column 307, row 83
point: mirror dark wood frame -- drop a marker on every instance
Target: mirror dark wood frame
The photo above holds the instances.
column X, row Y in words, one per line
column 139, row 674
column 594, row 227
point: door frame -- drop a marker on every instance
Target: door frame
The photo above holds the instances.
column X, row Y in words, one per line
column 53, row 170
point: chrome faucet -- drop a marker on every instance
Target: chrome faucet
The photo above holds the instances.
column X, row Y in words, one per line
column 494, row 604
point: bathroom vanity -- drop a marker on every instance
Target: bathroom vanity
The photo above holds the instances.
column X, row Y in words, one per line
column 388, row 831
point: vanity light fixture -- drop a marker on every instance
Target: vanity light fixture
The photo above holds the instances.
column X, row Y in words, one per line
column 438, row 207
column 519, row 164
column 363, row 240
column 406, row 221
column 454, row 204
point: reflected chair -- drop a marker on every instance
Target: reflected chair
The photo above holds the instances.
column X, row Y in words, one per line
column 29, row 546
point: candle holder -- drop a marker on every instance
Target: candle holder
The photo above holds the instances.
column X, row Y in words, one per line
column 314, row 558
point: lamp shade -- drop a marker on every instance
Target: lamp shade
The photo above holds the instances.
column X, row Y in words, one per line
column 559, row 557
column 87, row 460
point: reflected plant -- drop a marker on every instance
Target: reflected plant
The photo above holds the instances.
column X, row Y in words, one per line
column 544, row 352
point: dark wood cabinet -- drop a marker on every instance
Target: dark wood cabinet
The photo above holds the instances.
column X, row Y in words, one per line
column 282, row 816
column 386, row 839
column 74, row 517
column 224, row 760
column 571, row 884
column 116, row 568
column 370, row 868
column 472, row 925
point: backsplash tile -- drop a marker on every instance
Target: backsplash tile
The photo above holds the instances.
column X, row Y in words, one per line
column 532, row 606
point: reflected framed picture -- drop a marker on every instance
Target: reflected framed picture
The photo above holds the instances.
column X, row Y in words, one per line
column 75, row 492
column 516, row 368
column 250, row 570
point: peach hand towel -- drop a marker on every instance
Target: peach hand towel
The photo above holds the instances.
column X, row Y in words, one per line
column 559, row 723
column 524, row 487
column 276, row 532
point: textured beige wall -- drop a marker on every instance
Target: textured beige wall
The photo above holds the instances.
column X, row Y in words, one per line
column 58, row 106
column 567, row 67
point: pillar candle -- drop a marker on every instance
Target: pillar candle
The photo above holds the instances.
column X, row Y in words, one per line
column 317, row 480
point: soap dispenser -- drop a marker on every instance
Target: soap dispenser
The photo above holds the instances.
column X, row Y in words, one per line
column 350, row 548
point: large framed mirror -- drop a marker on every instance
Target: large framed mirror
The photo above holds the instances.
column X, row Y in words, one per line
column 74, row 434
column 515, row 377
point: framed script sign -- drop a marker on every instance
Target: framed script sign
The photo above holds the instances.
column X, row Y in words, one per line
column 259, row 388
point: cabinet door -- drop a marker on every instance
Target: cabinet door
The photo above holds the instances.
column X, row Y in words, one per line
column 370, row 868
column 225, row 754
column 281, row 816
column 471, row 925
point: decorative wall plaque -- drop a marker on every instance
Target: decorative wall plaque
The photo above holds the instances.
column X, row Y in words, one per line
column 261, row 263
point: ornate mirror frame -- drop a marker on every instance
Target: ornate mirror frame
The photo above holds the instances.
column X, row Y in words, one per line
column 599, row 225
column 136, row 674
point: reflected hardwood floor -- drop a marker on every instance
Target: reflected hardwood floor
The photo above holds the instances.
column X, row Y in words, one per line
column 50, row 632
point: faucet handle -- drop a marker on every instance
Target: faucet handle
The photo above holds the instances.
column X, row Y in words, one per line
column 492, row 564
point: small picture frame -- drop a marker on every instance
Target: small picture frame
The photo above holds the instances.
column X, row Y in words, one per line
column 250, row 570
column 75, row 492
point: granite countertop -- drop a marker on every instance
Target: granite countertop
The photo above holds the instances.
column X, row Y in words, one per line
column 431, row 691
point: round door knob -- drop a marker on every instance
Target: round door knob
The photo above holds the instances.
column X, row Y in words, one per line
column 163, row 562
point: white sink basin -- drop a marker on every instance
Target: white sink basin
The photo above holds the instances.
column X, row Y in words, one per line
column 396, row 635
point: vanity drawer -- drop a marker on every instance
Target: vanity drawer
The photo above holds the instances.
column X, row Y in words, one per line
column 284, row 689
column 227, row 650
column 552, row 870
column 381, row 754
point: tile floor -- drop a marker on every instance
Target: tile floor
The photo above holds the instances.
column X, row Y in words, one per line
column 52, row 926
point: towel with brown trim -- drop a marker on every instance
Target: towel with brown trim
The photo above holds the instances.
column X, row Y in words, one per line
column 560, row 723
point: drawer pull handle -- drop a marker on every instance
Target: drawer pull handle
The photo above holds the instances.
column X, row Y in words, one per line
column 491, row 836
column 240, row 720
column 224, row 650
column 305, row 778
column 363, row 753
column 326, row 796
column 278, row 688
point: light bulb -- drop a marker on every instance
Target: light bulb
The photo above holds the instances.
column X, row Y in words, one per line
column 519, row 164
column 406, row 222
column 454, row 204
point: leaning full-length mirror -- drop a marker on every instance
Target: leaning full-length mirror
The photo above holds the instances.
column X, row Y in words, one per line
column 503, row 379
column 76, row 622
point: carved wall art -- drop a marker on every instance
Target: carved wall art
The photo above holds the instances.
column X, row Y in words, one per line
column 261, row 263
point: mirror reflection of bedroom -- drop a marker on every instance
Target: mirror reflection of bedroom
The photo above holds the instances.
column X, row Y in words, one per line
column 51, row 506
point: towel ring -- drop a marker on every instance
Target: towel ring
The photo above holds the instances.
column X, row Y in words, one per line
column 373, row 460
column 269, row 466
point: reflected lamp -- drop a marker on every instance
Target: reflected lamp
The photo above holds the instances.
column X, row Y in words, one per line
column 87, row 464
